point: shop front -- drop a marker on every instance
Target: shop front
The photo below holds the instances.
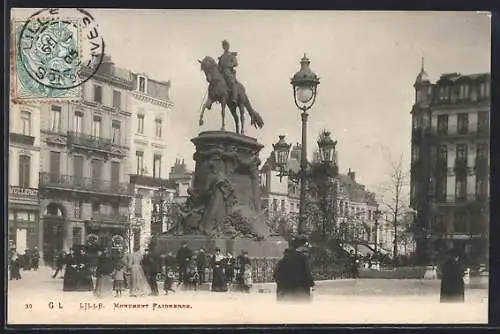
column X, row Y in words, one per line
column 23, row 227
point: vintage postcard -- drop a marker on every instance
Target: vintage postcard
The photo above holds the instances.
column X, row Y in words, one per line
column 179, row 167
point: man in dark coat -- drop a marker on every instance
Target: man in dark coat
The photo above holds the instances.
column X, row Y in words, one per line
column 183, row 257
column 61, row 256
column 151, row 267
column 170, row 269
column 293, row 273
column 201, row 263
column 452, row 281
column 241, row 261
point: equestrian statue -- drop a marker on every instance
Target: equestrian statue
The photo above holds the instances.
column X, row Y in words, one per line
column 226, row 90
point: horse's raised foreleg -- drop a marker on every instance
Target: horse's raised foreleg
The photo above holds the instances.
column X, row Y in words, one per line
column 206, row 105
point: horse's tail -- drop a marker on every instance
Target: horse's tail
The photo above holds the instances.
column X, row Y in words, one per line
column 255, row 119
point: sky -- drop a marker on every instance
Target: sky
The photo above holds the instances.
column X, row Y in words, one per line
column 367, row 63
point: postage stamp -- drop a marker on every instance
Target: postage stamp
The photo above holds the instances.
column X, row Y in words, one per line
column 248, row 168
column 53, row 54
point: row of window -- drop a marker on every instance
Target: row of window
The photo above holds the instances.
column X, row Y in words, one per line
column 96, row 131
column 157, row 159
column 97, row 166
column 97, row 92
column 96, row 169
column 464, row 92
column 117, row 97
column 462, row 151
column 463, row 123
column 97, row 208
column 140, row 125
column 462, row 223
column 461, row 191
column 30, row 216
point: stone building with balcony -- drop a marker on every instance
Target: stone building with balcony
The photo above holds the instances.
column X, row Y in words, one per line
column 24, row 162
column 151, row 110
column 84, row 183
column 450, row 165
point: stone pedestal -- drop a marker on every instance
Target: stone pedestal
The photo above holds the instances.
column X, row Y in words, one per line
column 223, row 208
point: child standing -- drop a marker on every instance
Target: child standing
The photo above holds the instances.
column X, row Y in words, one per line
column 119, row 279
column 247, row 278
column 169, row 280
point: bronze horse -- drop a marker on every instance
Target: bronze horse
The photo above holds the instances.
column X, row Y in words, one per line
column 218, row 91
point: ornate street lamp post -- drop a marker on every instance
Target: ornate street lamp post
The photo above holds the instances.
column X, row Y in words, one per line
column 328, row 167
column 377, row 214
column 159, row 211
column 304, row 83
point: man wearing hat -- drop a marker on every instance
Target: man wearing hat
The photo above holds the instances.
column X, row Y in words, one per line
column 452, row 278
column 151, row 268
column 293, row 273
column 227, row 63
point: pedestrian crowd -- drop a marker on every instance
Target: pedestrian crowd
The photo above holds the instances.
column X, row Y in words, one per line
column 109, row 272
column 29, row 260
column 105, row 273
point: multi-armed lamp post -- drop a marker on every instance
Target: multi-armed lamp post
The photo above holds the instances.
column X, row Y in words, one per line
column 328, row 168
column 304, row 83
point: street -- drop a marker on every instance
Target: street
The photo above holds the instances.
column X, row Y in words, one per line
column 39, row 299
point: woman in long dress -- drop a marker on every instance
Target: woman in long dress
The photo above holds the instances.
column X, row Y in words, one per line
column 84, row 275
column 138, row 283
column 219, row 279
column 71, row 271
column 452, row 280
column 104, row 271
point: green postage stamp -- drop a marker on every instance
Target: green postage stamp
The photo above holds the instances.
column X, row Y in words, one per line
column 53, row 55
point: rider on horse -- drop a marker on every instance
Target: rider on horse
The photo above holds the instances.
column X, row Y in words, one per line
column 227, row 63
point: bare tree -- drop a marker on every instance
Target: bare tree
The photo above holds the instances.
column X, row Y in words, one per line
column 394, row 197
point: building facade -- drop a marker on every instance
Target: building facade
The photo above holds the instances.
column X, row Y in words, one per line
column 280, row 195
column 450, row 165
column 24, row 162
column 352, row 206
column 151, row 109
column 84, row 183
column 180, row 178
column 356, row 213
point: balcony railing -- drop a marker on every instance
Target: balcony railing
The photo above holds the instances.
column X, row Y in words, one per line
column 21, row 193
column 110, row 217
column 459, row 135
column 144, row 180
column 50, row 180
column 89, row 141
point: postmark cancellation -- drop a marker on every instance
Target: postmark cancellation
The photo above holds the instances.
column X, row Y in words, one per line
column 45, row 61
column 53, row 55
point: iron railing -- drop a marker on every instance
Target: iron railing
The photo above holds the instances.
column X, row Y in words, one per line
column 22, row 193
column 89, row 141
column 52, row 180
